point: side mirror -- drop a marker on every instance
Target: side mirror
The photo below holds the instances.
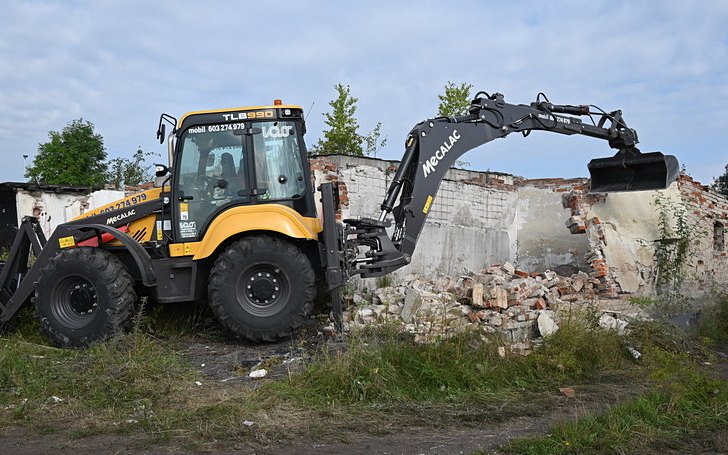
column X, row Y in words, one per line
column 161, row 132
column 162, row 128
column 161, row 170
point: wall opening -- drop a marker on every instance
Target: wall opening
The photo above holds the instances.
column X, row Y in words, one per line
column 718, row 237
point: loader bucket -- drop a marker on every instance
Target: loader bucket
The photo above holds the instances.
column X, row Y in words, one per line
column 638, row 172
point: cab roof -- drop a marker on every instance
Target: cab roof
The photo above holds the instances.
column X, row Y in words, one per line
column 236, row 109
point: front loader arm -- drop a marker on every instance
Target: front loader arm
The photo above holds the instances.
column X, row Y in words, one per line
column 433, row 146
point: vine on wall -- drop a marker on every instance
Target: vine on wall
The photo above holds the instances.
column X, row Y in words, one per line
column 673, row 250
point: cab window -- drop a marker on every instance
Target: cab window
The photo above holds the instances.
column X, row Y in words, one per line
column 278, row 161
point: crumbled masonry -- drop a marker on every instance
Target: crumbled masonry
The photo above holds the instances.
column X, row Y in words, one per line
column 521, row 306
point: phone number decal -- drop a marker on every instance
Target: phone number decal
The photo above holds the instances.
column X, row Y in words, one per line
column 128, row 202
column 216, row 128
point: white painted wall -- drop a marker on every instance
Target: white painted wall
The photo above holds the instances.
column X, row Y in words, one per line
column 54, row 208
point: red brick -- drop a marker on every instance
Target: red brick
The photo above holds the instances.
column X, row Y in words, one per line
column 520, row 273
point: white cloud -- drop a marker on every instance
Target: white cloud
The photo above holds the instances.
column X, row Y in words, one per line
column 120, row 63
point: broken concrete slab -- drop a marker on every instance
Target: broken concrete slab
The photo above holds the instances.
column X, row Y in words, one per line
column 546, row 325
column 412, row 303
column 609, row 322
column 508, row 268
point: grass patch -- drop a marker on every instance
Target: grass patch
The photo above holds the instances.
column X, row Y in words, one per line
column 713, row 324
column 684, row 404
column 687, row 406
column 128, row 380
column 139, row 384
column 175, row 321
column 384, row 366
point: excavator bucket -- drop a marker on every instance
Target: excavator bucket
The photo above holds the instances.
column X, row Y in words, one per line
column 633, row 172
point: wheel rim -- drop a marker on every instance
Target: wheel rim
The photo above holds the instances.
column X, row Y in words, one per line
column 263, row 290
column 74, row 302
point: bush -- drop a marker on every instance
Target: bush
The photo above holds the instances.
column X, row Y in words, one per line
column 713, row 323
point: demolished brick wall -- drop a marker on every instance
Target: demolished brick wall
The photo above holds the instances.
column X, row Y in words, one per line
column 579, row 201
column 707, row 215
column 484, row 218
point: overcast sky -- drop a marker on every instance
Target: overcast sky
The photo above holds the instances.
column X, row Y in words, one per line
column 119, row 64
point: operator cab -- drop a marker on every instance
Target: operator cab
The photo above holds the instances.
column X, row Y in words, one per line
column 236, row 157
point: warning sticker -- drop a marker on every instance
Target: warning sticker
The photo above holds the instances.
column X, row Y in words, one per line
column 428, row 203
column 67, row 242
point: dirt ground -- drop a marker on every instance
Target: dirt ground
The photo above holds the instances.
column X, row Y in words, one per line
column 489, row 433
column 222, row 361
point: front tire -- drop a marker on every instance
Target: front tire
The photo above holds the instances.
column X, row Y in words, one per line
column 83, row 295
column 261, row 288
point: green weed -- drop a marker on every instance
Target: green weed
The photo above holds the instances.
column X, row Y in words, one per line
column 384, row 281
column 642, row 301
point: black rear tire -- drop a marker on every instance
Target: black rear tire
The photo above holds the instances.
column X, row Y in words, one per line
column 261, row 288
column 83, row 295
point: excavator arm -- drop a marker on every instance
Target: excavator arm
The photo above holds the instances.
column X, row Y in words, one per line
column 433, row 146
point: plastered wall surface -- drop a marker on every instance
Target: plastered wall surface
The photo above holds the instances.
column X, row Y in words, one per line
column 544, row 243
column 627, row 235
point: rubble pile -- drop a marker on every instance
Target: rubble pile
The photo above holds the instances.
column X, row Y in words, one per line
column 520, row 305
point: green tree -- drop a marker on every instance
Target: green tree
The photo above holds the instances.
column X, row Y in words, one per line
column 129, row 171
column 74, row 156
column 721, row 183
column 342, row 136
column 373, row 141
column 455, row 101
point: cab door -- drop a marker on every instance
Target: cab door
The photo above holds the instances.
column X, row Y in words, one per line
column 213, row 172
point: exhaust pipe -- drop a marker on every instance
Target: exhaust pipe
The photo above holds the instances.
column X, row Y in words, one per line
column 633, row 171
